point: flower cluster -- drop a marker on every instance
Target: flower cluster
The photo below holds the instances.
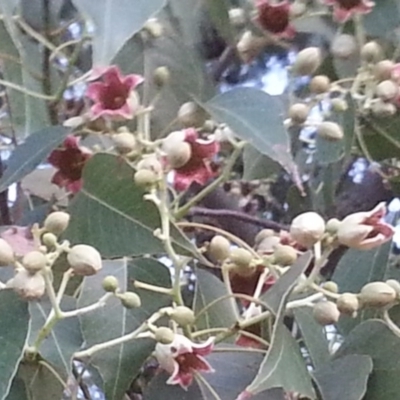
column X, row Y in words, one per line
column 343, row 10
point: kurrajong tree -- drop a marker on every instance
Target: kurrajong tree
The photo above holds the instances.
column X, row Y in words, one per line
column 175, row 241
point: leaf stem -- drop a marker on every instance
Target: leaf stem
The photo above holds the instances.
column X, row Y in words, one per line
column 152, row 288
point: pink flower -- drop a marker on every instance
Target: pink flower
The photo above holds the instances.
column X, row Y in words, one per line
column 343, row 10
column 182, row 357
column 69, row 161
column 275, row 18
column 365, row 230
column 113, row 96
column 198, row 167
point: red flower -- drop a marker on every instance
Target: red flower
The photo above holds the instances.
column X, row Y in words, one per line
column 275, row 18
column 197, row 168
column 182, row 357
column 113, row 97
column 69, row 161
column 343, row 10
column 365, row 230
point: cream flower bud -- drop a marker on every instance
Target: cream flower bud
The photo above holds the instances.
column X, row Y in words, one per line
column 110, row 284
column 387, row 90
column 371, row 52
column 178, row 155
column 56, row 222
column 49, row 239
column 377, row 294
column 182, row 315
column 344, row 46
column 284, row 255
column 326, row 313
column 129, row 300
column 28, row 286
column 190, row 114
column 219, row 248
column 298, row 113
column 6, row 254
column 34, row 261
column 145, row 178
column 164, row 335
column 124, row 142
column 161, row 76
column 307, row 229
column 330, row 131
column 84, row 260
column 237, row 17
column 307, row 61
column 348, row 303
column 320, row 84
column 330, row 286
column 383, row 70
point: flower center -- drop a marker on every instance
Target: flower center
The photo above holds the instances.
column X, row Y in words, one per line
column 349, row 4
column 114, row 98
column 274, row 19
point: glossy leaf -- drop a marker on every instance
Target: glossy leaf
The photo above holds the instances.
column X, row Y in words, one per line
column 208, row 289
column 256, row 117
column 313, row 336
column 344, row 378
column 14, row 329
column 119, row 364
column 282, row 288
column 65, row 338
column 113, row 28
column 110, row 213
column 28, row 155
column 383, row 19
column 373, row 338
column 17, row 390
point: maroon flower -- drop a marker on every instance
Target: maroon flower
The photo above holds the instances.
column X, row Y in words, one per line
column 182, row 357
column 69, row 161
column 343, row 10
column 197, row 168
column 275, row 18
column 365, row 230
column 113, row 96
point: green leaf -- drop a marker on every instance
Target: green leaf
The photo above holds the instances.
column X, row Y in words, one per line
column 119, row 364
column 256, row 165
column 65, row 338
column 256, row 117
column 373, row 338
column 17, row 390
column 14, row 330
column 313, row 335
column 110, row 213
column 344, row 378
column 219, row 14
column 115, row 22
column 282, row 288
column 28, row 155
column 208, row 289
column 383, row 19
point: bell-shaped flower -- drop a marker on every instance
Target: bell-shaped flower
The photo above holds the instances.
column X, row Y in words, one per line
column 365, row 230
column 182, row 358
column 343, row 10
column 113, row 95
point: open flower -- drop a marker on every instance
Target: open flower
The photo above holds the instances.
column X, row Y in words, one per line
column 69, row 161
column 114, row 96
column 197, row 168
column 365, row 230
column 343, row 10
column 182, row 357
column 275, row 17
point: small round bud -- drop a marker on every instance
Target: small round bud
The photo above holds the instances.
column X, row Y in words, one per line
column 326, row 313
column 387, row 90
column 49, row 240
column 339, row 105
column 153, row 27
column 240, row 257
column 190, row 114
column 110, row 284
column 182, row 315
column 307, row 61
column 6, row 254
column 298, row 113
column 237, row 17
column 150, row 163
column 164, row 335
column 297, row 9
column 84, row 260
column 382, row 109
column 34, row 261
column 377, row 294
column 371, row 52
column 145, row 178
column 285, row 255
column 330, row 131
column 264, row 233
column 56, row 222
column 394, row 285
column 219, row 248
column 268, row 245
column 320, row 84
column 344, row 46
column 28, row 286
column 178, row 155
column 347, row 303
column 249, row 46
column 330, row 286
column 383, row 70
column 307, row 229
column 332, row 225
column 129, row 300
column 161, row 76
column 124, row 142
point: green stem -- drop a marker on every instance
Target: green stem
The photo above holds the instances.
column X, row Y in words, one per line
column 232, row 301
column 152, row 288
